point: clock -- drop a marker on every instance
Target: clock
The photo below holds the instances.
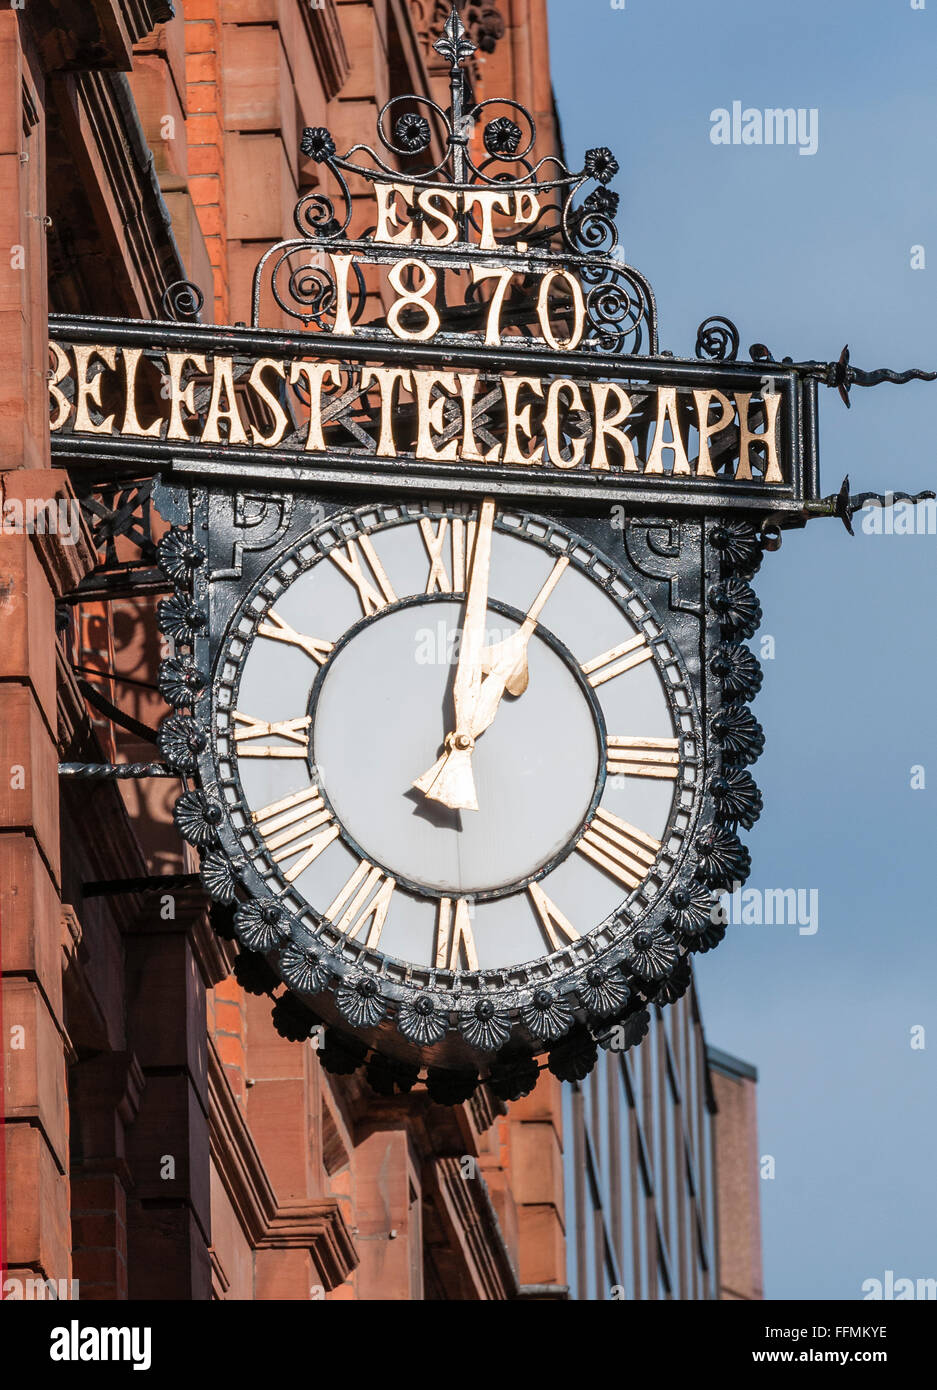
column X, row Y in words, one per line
column 451, row 775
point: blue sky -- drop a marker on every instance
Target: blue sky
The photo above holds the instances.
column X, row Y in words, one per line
column 807, row 253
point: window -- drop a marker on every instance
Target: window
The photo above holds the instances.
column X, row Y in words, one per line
column 638, row 1166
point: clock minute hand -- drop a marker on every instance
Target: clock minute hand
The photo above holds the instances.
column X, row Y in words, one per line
column 507, row 660
column 450, row 779
column 504, row 668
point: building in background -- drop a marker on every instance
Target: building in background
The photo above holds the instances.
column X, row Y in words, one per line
column 661, row 1169
column 738, row 1173
column 163, row 1136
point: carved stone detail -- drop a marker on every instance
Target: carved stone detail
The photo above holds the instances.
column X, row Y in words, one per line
column 483, row 22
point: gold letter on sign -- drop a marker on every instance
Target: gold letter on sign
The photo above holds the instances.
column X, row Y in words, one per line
column 222, row 387
column 429, row 201
column 430, row 415
column 131, row 424
column 519, row 419
column 579, row 310
column 468, row 381
column 667, row 411
column 704, row 399
column 280, row 418
column 551, row 425
column 179, row 396
column 63, row 406
column 504, row 277
column 413, row 299
column 768, row 441
column 487, row 201
column 315, row 373
column 388, row 227
column 608, row 425
column 387, row 379
column 90, row 391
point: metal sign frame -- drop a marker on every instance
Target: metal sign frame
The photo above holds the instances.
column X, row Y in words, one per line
column 507, row 278
column 360, row 465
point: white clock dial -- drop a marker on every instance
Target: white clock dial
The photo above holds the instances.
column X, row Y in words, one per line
column 454, row 737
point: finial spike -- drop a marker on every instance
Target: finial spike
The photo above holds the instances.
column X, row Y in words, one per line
column 454, row 43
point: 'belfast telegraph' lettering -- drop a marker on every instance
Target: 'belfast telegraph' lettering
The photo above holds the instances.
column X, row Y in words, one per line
column 483, row 414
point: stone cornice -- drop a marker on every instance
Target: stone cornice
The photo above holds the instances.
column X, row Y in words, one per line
column 467, row 1210
column 437, row 1130
column 111, row 244
column 328, row 46
column 235, row 1155
column 87, row 34
column 314, row 1224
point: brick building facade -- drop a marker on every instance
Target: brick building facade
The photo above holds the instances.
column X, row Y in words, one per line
column 161, row 1138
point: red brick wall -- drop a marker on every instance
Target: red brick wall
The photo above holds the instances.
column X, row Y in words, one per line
column 204, row 68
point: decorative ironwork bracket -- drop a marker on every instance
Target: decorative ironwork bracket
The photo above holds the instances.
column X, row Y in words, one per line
column 155, row 883
column 718, row 339
column 844, row 505
column 114, row 772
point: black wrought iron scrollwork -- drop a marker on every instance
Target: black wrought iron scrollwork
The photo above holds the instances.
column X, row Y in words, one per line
column 310, row 286
column 183, row 301
column 314, row 215
column 306, row 290
column 421, row 145
column 591, row 226
column 616, row 314
column 717, row 339
column 119, row 513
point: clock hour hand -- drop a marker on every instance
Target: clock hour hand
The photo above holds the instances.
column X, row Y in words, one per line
column 504, row 667
column 450, row 779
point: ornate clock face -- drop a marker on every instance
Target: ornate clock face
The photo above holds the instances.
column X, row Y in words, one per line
column 455, row 745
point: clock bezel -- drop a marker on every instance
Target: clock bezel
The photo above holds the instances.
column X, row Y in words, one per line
column 608, row 943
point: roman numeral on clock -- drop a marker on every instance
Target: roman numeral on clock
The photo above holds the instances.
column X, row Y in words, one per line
column 454, row 939
column 434, row 542
column 374, row 589
column 551, row 918
column 619, row 848
column 644, row 757
column 278, row 630
column 614, row 663
column 463, row 544
column 294, row 730
column 299, row 825
column 358, row 905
